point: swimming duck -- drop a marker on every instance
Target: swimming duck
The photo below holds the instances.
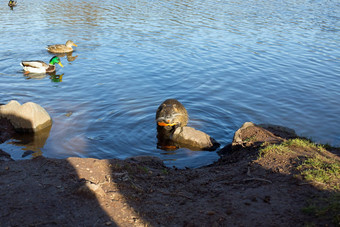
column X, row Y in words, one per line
column 12, row 3
column 40, row 66
column 61, row 48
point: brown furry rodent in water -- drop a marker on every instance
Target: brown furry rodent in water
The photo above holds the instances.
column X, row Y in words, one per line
column 171, row 113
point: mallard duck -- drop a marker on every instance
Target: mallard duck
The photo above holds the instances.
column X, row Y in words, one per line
column 61, row 48
column 12, row 3
column 40, row 66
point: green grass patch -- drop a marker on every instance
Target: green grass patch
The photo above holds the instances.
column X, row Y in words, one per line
column 288, row 146
column 320, row 169
column 317, row 168
column 304, row 143
column 314, row 167
column 274, row 148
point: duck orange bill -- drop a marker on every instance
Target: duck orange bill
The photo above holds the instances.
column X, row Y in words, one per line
column 164, row 124
column 59, row 63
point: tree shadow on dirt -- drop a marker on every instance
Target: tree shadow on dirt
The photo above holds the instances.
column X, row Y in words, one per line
column 46, row 192
column 41, row 191
column 238, row 190
column 241, row 189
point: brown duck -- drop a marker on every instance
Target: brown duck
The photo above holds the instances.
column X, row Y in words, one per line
column 61, row 48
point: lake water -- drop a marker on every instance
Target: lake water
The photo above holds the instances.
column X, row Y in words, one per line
column 228, row 62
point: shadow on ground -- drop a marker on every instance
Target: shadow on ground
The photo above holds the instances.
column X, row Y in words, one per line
column 240, row 189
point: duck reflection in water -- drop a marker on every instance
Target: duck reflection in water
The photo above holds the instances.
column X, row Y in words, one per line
column 32, row 143
column 69, row 56
column 35, row 76
column 56, row 78
column 39, row 76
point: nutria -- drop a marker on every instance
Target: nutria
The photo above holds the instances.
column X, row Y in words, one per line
column 171, row 113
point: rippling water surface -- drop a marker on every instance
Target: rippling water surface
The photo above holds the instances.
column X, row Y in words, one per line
column 227, row 61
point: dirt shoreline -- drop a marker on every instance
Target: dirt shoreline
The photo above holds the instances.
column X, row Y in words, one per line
column 240, row 189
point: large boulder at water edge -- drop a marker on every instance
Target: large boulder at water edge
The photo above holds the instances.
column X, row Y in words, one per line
column 194, row 138
column 250, row 135
column 29, row 117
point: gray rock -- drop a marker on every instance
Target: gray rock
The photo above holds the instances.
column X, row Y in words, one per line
column 237, row 136
column 27, row 117
column 252, row 135
column 194, row 138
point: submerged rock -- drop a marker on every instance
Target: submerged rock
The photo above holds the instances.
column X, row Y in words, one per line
column 194, row 138
column 29, row 117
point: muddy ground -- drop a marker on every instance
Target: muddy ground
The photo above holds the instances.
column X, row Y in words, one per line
column 238, row 190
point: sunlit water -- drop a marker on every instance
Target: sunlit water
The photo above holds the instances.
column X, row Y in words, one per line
column 228, row 62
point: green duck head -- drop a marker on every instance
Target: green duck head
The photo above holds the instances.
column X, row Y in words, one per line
column 12, row 3
column 55, row 60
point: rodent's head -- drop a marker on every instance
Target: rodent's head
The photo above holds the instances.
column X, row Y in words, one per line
column 167, row 115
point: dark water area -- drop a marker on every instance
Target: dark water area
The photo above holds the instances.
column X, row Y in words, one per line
column 227, row 62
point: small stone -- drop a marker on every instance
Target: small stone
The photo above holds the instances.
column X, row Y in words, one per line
column 68, row 114
column 266, row 199
column 210, row 212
